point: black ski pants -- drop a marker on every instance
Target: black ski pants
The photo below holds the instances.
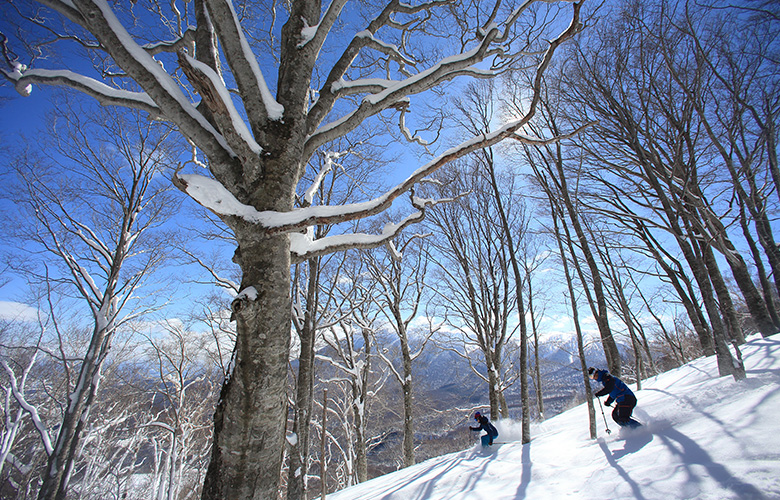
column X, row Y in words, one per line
column 621, row 414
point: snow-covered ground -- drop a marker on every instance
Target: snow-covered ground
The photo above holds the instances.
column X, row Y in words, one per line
column 705, row 437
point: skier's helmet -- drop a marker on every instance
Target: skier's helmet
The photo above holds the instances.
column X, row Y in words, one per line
column 477, row 415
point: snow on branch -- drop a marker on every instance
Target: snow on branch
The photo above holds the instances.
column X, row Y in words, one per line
column 538, row 141
column 299, row 220
column 214, row 196
column 393, row 251
column 185, row 40
column 303, row 247
column 447, row 69
column 361, row 86
column 162, row 97
column 104, row 94
column 66, row 8
column 330, row 159
column 404, row 108
column 390, row 49
column 327, row 95
column 215, row 94
column 260, row 104
column 315, row 35
column 490, row 44
column 18, row 394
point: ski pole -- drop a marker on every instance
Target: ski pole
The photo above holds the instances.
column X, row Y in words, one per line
column 604, row 416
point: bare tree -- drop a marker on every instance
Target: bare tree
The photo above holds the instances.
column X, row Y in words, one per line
column 35, row 364
column 95, row 207
column 350, row 335
column 561, row 238
column 254, row 162
column 475, row 284
column 741, row 132
column 532, row 262
column 648, row 137
column 477, row 110
column 400, row 272
column 187, row 392
column 25, row 432
column 620, row 293
column 548, row 159
column 315, row 292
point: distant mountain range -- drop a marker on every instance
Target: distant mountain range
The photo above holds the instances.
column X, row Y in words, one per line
column 446, row 389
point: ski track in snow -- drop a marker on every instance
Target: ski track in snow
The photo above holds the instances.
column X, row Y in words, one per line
column 704, row 437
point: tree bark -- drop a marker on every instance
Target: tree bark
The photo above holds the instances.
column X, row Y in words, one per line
column 359, row 406
column 763, row 279
column 250, row 418
column 406, row 387
column 733, row 328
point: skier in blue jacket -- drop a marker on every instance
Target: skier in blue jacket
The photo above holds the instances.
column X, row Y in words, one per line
column 618, row 391
column 485, row 425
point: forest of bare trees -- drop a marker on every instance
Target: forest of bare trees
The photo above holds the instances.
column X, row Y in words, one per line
column 435, row 197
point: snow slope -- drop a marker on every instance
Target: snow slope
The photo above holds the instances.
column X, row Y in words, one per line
column 705, row 438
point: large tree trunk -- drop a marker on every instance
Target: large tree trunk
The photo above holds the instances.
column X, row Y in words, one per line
column 359, row 391
column 763, row 279
column 492, row 376
column 408, row 425
column 249, row 422
column 757, row 206
column 753, row 298
column 722, row 352
column 361, row 452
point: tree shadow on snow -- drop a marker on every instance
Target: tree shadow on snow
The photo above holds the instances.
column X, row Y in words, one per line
column 430, row 475
column 620, row 470
column 434, row 474
column 691, row 453
column 526, row 477
column 635, row 440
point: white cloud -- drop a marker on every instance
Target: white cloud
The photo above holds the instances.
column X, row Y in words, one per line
column 16, row 311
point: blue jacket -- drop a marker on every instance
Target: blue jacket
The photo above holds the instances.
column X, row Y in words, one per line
column 613, row 386
column 485, row 425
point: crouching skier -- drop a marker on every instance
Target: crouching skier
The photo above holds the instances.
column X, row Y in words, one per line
column 618, row 391
column 485, row 425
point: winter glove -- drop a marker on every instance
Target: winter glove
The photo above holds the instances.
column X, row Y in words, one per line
column 608, row 402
